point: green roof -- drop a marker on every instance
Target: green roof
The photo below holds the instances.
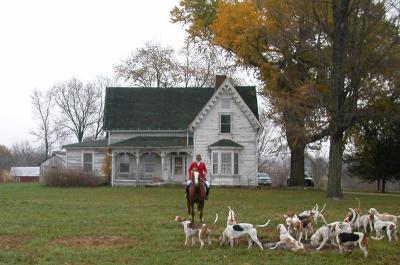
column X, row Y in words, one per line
column 91, row 143
column 154, row 141
column 225, row 142
column 149, row 108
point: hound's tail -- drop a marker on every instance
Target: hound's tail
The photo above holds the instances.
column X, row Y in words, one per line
column 264, row 225
column 377, row 238
column 216, row 219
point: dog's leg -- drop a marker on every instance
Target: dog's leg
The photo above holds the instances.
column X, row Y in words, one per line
column 300, row 235
column 322, row 243
column 364, row 250
column 193, row 241
column 389, row 234
column 277, row 245
column 333, row 241
column 255, row 239
column 249, row 242
column 231, row 242
column 209, row 238
column 186, row 240
column 201, row 243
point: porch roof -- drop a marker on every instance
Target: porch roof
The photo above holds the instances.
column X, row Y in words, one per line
column 155, row 141
column 225, row 142
column 90, row 143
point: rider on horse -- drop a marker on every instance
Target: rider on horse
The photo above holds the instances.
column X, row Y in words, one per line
column 200, row 167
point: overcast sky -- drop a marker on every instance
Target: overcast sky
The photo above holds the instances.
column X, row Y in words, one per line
column 43, row 42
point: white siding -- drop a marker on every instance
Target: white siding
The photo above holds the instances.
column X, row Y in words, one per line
column 75, row 159
column 242, row 132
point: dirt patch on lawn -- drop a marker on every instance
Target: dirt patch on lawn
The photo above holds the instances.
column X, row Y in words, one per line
column 94, row 241
column 12, row 241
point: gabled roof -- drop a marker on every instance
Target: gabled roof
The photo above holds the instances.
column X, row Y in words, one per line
column 155, row 141
column 25, row 171
column 149, row 108
column 225, row 143
column 91, row 143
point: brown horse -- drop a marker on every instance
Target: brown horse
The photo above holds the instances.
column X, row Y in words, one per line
column 197, row 194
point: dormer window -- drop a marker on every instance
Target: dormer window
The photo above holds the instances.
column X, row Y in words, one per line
column 225, row 123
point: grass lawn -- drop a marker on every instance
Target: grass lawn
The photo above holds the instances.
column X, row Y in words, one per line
column 41, row 225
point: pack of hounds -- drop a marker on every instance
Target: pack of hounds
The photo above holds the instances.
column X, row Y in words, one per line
column 294, row 232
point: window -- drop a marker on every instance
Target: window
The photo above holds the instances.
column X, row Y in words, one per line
column 87, row 162
column 225, row 123
column 178, row 166
column 215, row 163
column 124, row 164
column 225, row 163
column 235, row 163
column 149, row 164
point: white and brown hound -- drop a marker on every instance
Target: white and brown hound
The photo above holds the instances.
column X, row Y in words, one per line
column 315, row 213
column 287, row 240
column 190, row 230
column 384, row 216
column 297, row 225
column 384, row 226
column 358, row 222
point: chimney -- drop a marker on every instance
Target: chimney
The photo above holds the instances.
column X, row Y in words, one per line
column 219, row 79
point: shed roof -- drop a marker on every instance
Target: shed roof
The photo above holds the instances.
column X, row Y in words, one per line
column 91, row 143
column 25, row 171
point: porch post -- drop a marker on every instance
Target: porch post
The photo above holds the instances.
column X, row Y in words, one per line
column 162, row 154
column 112, row 168
column 137, row 167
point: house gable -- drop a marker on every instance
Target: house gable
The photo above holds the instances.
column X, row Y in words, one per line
column 249, row 107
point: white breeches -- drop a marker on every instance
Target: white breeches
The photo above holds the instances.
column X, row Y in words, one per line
column 206, row 182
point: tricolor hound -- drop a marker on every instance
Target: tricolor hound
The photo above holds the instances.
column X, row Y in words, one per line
column 329, row 232
column 352, row 239
column 235, row 230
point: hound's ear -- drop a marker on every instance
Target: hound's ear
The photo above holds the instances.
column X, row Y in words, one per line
column 285, row 216
column 333, row 228
column 316, row 205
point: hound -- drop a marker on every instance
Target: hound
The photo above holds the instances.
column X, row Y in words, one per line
column 295, row 224
column 382, row 226
column 359, row 222
column 234, row 231
column 329, row 232
column 190, row 230
column 287, row 240
column 315, row 213
column 384, row 216
column 349, row 239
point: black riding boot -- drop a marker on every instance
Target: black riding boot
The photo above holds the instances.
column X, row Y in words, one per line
column 207, row 191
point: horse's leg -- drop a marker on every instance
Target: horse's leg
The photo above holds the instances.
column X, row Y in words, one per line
column 192, row 212
column 188, row 206
column 201, row 208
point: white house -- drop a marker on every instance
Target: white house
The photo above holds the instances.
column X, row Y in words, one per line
column 154, row 133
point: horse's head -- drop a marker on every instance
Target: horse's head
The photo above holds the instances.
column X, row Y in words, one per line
column 196, row 177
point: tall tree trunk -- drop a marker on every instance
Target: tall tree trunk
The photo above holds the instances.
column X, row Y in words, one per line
column 335, row 166
column 297, row 165
column 383, row 185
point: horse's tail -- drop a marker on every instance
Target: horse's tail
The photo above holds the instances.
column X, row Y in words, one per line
column 216, row 219
column 264, row 225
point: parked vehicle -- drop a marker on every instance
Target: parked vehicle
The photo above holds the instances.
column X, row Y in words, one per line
column 308, row 181
column 263, row 179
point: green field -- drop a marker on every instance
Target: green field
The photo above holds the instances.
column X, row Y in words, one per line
column 40, row 225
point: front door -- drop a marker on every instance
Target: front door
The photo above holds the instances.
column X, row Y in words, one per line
column 179, row 168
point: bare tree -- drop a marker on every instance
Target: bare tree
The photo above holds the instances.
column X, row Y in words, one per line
column 149, row 66
column 48, row 130
column 100, row 85
column 25, row 154
column 78, row 104
column 6, row 158
column 200, row 64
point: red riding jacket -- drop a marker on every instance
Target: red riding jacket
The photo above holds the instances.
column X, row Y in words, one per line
column 201, row 168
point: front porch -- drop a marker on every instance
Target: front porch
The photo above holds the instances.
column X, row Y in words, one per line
column 149, row 166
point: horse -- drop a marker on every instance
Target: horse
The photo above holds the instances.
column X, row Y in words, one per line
column 197, row 194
